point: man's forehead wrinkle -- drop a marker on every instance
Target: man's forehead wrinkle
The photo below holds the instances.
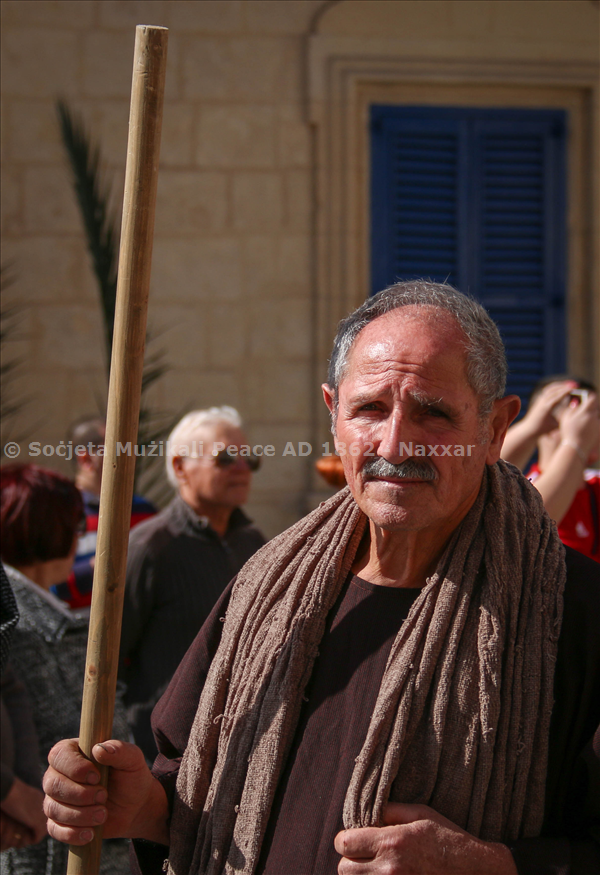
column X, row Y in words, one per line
column 374, row 365
column 395, row 333
column 426, row 362
column 384, row 358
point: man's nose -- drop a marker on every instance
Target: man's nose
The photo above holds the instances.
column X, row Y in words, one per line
column 392, row 432
column 241, row 463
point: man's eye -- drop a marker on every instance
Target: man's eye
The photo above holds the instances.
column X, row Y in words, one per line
column 435, row 411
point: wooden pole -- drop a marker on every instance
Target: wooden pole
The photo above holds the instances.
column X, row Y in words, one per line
column 124, row 393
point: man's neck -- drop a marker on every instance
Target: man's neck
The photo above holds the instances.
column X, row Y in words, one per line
column 400, row 559
column 47, row 574
column 218, row 516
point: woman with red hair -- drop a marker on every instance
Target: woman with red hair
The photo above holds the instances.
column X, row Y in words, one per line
column 41, row 514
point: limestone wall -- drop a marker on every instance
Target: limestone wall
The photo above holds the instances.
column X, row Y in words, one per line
column 230, row 293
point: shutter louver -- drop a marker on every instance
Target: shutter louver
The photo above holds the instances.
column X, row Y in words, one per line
column 424, row 217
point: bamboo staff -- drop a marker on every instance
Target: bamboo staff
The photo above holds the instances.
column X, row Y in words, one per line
column 124, row 392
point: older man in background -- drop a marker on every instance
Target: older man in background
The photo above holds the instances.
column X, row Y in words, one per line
column 180, row 561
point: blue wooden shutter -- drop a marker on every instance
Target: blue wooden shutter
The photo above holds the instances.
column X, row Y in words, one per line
column 415, row 211
column 518, row 270
column 476, row 197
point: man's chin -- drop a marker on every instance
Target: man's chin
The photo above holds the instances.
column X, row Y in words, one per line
column 396, row 490
column 237, row 495
column 387, row 510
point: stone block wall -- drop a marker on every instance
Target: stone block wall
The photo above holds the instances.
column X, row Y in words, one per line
column 231, row 285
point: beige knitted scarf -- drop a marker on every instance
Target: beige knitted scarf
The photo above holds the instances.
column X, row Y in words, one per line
column 462, row 716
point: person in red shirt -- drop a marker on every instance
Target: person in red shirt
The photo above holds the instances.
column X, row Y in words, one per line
column 563, row 423
column 88, row 436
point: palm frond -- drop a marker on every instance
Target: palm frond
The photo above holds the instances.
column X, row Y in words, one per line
column 92, row 190
column 93, row 194
column 10, row 331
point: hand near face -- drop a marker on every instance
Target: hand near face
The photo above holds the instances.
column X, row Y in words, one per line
column 540, row 418
column 580, row 423
column 418, row 841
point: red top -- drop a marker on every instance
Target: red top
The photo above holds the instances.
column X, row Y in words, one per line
column 580, row 526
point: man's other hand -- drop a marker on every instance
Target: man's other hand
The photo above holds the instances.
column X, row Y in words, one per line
column 13, row 834
column 22, row 806
column 133, row 806
column 418, row 841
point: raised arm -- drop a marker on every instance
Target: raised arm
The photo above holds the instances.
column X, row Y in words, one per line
column 521, row 439
column 563, row 473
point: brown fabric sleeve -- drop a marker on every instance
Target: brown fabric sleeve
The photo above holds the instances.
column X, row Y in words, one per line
column 174, row 713
column 172, row 719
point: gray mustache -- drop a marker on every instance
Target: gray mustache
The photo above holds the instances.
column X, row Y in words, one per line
column 410, row 469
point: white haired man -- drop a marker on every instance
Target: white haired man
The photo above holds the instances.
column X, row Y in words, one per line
column 404, row 682
column 180, row 561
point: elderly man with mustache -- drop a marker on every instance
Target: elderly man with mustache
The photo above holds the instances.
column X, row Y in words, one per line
column 406, row 681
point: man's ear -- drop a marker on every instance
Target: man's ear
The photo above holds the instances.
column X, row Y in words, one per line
column 329, row 396
column 179, row 468
column 503, row 413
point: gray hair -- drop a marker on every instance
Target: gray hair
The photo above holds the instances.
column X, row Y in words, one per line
column 183, row 433
column 485, row 355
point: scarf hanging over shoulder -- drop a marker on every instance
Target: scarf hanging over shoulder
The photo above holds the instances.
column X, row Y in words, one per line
column 462, row 716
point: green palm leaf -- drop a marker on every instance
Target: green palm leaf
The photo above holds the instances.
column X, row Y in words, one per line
column 92, row 190
column 93, row 194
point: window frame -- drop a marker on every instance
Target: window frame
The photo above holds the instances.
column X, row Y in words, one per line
column 344, row 80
